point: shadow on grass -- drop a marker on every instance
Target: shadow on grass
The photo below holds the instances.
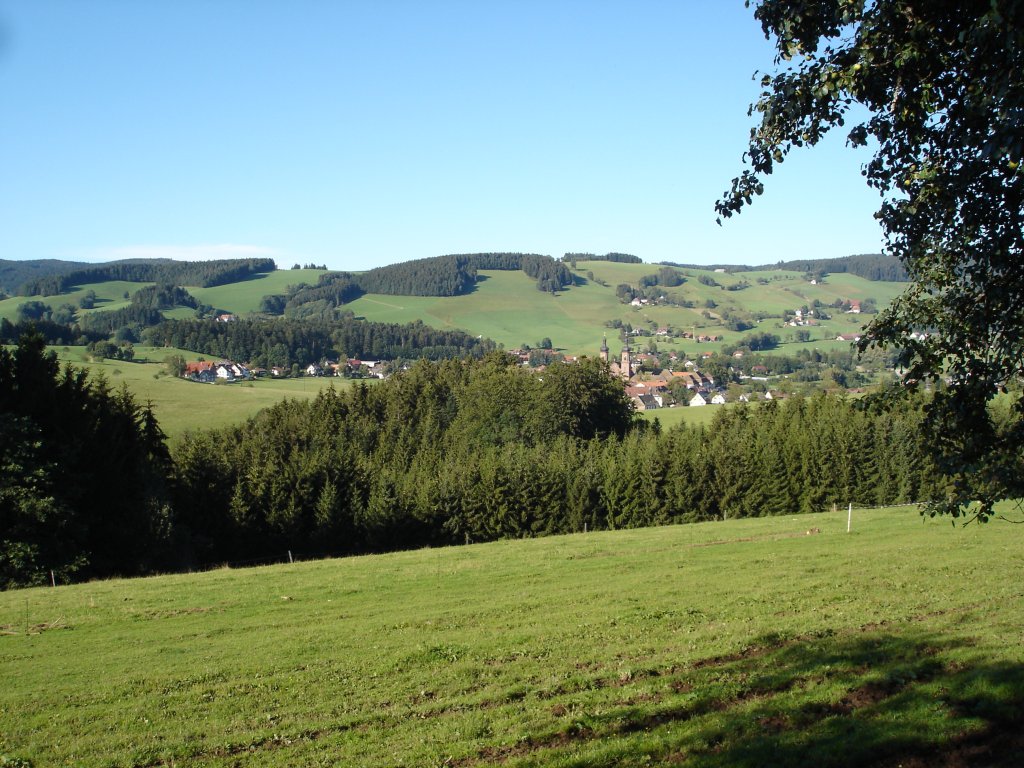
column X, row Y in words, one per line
column 480, row 279
column 252, row 278
column 910, row 700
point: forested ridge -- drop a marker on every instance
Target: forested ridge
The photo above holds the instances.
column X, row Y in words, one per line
column 166, row 271
column 284, row 341
column 14, row 273
column 445, row 452
column 870, row 266
column 622, row 258
column 452, row 275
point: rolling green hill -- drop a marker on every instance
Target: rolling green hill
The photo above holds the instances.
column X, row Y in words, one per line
column 506, row 307
column 183, row 405
column 776, row 641
column 244, row 297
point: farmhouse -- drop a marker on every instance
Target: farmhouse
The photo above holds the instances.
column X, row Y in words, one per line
column 692, row 379
column 207, row 372
column 646, row 402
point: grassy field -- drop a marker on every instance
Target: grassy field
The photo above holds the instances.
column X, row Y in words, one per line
column 245, row 296
column 183, row 405
column 778, row 641
column 241, row 297
column 671, row 417
column 507, row 308
column 109, row 295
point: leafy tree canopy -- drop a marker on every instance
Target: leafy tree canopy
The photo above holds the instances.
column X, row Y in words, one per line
column 935, row 89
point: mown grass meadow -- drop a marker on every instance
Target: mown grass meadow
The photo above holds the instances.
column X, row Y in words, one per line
column 778, row 641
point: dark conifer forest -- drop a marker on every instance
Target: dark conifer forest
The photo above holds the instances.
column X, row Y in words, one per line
column 284, row 341
column 201, row 273
column 870, row 266
column 456, row 451
column 85, row 480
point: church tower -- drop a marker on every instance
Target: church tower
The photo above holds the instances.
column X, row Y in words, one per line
column 604, row 348
column 626, row 365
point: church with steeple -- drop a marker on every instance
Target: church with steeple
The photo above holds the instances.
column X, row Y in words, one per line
column 624, row 367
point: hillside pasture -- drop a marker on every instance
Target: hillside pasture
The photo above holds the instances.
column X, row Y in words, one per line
column 109, row 296
column 506, row 306
column 778, row 641
column 182, row 405
column 245, row 296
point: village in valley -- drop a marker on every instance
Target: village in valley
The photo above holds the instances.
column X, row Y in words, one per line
column 654, row 370
column 652, row 381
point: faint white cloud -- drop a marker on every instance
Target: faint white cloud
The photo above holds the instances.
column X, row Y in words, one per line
column 206, row 252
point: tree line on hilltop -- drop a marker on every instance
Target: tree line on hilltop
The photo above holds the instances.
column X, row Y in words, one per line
column 198, row 273
column 446, row 452
column 453, row 275
column 870, row 266
column 285, row 341
column 621, row 258
column 13, row 274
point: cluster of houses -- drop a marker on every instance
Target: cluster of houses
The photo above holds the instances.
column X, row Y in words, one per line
column 648, row 390
column 350, row 367
column 206, row 372
column 659, row 389
column 801, row 318
column 225, row 370
column 652, row 388
column 665, row 333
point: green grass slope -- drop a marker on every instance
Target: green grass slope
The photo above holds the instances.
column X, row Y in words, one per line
column 726, row 644
column 241, row 297
column 507, row 307
column 244, row 296
column 109, row 295
column 182, row 405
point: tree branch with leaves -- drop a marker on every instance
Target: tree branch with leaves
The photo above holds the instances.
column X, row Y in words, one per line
column 934, row 89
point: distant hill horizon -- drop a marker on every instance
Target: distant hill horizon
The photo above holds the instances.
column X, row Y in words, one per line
column 17, row 274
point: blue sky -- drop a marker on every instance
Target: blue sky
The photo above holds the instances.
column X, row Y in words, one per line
column 364, row 133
